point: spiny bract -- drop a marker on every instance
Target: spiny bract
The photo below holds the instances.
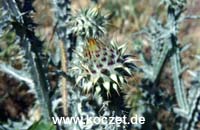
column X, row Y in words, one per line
column 104, row 66
column 89, row 23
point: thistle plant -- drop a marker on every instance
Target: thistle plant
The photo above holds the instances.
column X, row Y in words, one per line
column 192, row 117
column 166, row 45
column 94, row 75
column 77, row 102
column 31, row 47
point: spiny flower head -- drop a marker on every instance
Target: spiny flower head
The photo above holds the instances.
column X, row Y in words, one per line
column 89, row 22
column 104, row 66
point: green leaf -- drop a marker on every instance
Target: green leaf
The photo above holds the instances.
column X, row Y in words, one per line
column 41, row 125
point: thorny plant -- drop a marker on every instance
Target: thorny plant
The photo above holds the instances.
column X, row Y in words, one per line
column 92, row 70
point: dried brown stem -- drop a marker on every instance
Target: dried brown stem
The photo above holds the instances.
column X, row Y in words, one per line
column 63, row 79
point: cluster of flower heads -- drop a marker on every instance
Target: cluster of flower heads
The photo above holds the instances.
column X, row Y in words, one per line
column 104, row 66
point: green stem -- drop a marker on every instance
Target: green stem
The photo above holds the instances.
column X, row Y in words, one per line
column 178, row 84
